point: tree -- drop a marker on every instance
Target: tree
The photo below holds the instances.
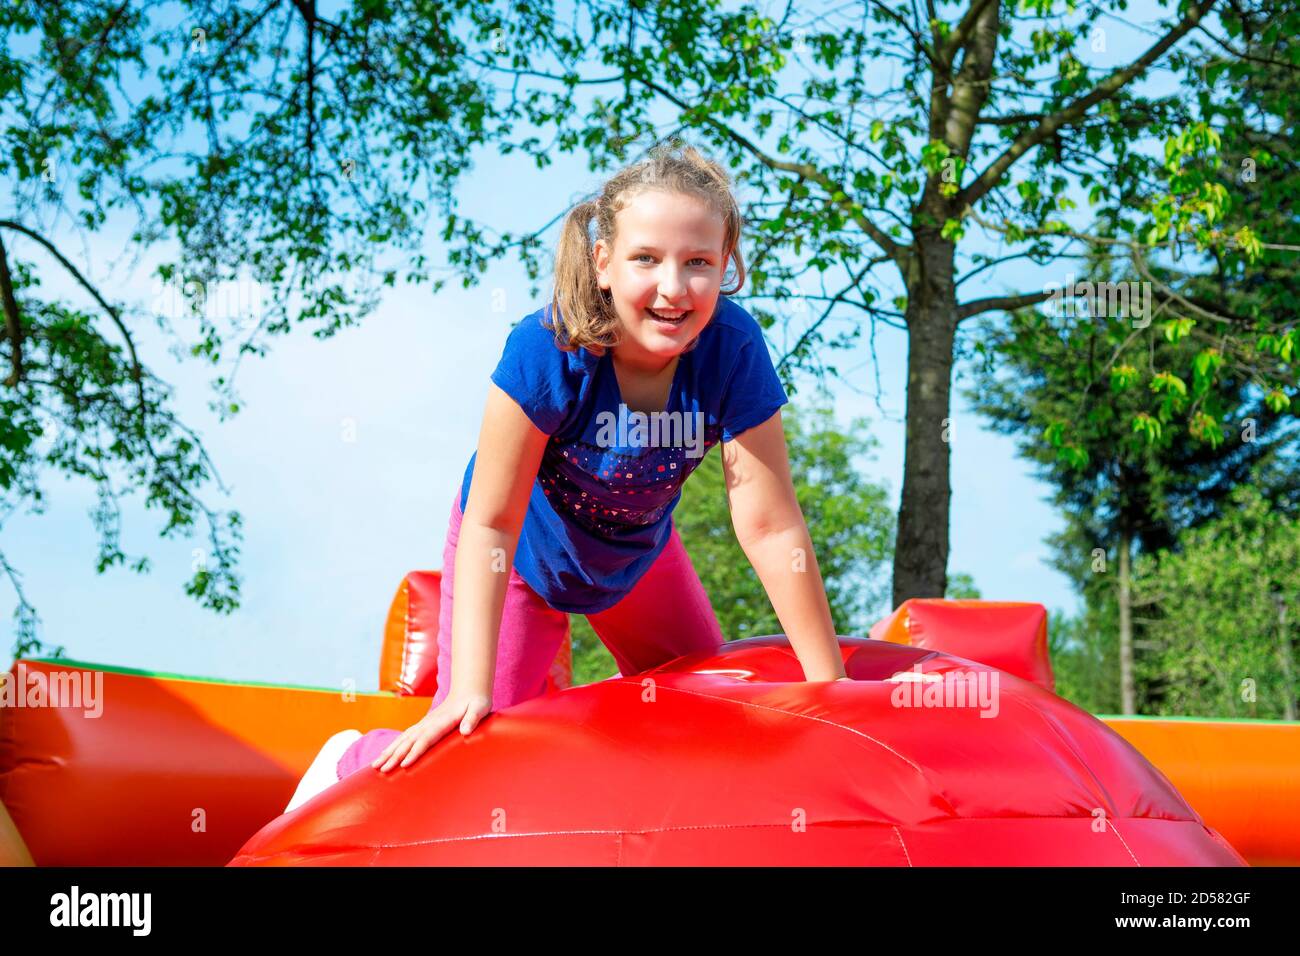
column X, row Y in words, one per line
column 1234, row 305
column 1084, row 660
column 1119, row 489
column 296, row 148
column 850, row 182
column 1222, row 615
column 279, row 149
column 848, row 518
column 1130, row 415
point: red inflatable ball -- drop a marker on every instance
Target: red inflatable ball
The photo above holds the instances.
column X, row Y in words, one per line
column 924, row 759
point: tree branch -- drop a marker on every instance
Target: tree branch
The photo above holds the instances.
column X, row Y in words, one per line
column 970, row 88
column 897, row 252
column 136, row 372
column 916, row 37
column 837, row 298
column 961, row 36
column 1073, row 112
column 1008, row 303
column 13, row 322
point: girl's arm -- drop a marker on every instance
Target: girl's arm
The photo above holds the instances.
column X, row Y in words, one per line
column 509, row 453
column 774, row 536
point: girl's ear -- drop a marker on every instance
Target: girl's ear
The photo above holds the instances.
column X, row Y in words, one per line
column 600, row 256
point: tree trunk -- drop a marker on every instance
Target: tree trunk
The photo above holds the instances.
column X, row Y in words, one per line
column 1128, row 696
column 1284, row 653
column 921, row 548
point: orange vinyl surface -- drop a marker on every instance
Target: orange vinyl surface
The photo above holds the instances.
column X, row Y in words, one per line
column 408, row 660
column 174, row 771
column 1241, row 776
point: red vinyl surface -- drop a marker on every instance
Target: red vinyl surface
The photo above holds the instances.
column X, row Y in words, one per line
column 733, row 759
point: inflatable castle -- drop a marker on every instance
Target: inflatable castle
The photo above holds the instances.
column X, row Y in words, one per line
column 948, row 748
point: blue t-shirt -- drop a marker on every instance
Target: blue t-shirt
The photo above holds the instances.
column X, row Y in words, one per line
column 601, row 505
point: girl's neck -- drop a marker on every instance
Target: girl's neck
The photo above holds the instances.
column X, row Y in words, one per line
column 648, row 365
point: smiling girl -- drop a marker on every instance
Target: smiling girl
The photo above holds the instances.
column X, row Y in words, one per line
column 554, row 518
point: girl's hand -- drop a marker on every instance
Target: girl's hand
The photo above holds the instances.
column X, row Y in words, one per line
column 844, row 678
column 465, row 709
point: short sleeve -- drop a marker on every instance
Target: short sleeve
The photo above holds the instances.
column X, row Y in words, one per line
column 754, row 391
column 534, row 371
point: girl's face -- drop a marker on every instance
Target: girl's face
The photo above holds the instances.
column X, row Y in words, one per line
column 664, row 273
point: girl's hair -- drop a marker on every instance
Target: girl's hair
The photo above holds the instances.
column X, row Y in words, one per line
column 587, row 318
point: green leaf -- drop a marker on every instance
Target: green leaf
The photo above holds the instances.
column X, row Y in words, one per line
column 1277, row 400
column 1146, row 426
column 1168, row 382
column 1073, row 455
column 1122, row 377
column 1205, row 428
column 1177, row 329
column 1204, row 367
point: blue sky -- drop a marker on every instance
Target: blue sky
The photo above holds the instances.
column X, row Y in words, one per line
column 332, row 525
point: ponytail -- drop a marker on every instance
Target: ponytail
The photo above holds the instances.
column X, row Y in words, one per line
column 582, row 313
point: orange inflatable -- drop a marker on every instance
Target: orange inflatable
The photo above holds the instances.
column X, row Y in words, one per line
column 176, row 771
column 1242, row 774
column 731, row 759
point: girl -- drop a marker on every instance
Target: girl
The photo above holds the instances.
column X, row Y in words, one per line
column 601, row 406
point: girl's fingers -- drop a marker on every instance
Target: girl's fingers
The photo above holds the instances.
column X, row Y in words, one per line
column 419, row 747
column 433, row 733
column 415, row 740
column 383, row 754
column 473, row 717
column 393, row 753
column 390, row 759
column 398, row 754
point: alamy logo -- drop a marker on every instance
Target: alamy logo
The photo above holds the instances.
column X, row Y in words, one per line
column 102, row 909
column 1111, row 300
column 36, row 688
column 630, row 429
column 950, row 689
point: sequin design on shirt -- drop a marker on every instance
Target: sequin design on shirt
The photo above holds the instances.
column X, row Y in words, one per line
column 634, row 489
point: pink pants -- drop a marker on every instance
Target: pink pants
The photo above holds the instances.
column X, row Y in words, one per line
column 666, row 615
